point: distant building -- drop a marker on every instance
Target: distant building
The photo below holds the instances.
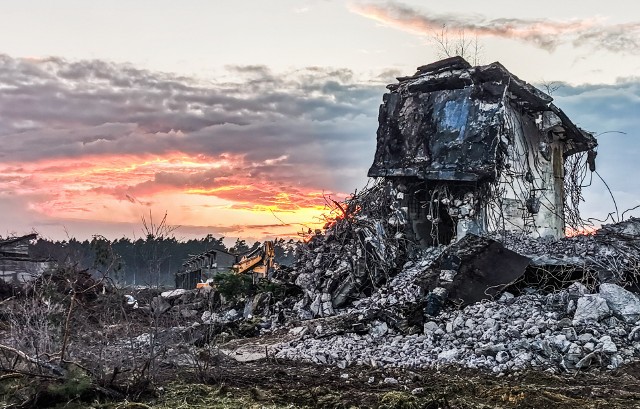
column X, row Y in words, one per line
column 203, row 266
column 476, row 149
column 16, row 265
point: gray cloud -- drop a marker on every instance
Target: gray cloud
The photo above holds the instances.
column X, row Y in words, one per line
column 52, row 108
column 543, row 33
column 610, row 111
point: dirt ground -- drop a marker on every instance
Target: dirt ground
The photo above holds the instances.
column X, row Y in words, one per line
column 274, row 384
column 283, row 384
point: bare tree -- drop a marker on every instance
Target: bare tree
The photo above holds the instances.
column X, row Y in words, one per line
column 551, row 86
column 155, row 252
column 447, row 46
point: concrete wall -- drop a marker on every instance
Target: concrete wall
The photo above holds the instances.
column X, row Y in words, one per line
column 531, row 184
column 20, row 272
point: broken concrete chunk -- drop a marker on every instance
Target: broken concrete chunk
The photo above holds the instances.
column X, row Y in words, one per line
column 430, row 327
column 608, row 346
column 577, row 290
column 622, row 302
column 591, row 308
column 159, row 306
column 173, row 294
column 379, row 329
column 484, row 268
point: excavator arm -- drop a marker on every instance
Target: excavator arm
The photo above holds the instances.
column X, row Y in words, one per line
column 259, row 261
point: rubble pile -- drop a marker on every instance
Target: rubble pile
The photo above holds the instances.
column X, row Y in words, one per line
column 568, row 330
column 611, row 254
column 477, row 324
column 358, row 252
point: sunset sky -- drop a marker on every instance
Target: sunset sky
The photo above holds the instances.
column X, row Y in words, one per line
column 241, row 118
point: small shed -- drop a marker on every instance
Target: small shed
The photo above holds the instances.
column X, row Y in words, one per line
column 17, row 266
column 476, row 149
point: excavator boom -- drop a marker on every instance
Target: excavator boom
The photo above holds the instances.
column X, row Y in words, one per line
column 259, row 261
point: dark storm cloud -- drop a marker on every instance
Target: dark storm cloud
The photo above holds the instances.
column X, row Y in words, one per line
column 542, row 33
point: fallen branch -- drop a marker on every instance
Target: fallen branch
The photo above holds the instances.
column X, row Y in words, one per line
column 56, row 369
column 16, row 373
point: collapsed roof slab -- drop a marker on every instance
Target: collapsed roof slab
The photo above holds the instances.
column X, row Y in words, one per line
column 446, row 122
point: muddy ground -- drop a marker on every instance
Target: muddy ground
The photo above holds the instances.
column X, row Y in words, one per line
column 300, row 385
column 269, row 383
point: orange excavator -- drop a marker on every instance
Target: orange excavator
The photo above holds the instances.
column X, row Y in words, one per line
column 259, row 262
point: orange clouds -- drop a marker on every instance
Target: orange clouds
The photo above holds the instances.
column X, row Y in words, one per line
column 426, row 23
column 225, row 190
column 543, row 33
column 102, row 143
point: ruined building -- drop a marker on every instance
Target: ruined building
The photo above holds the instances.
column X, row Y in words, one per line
column 476, row 149
column 16, row 264
column 202, row 266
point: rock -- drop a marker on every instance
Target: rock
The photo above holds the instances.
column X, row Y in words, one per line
column 577, row 290
column 622, row 302
column 608, row 346
column 327, row 309
column 570, row 333
column 430, row 327
column 489, row 323
column 614, row 362
column 316, row 306
column 159, row 306
column 531, row 332
column 208, row 317
column 502, row 357
column 379, row 329
column 390, row 381
column 505, row 296
column 448, row 355
column 634, row 335
column 590, row 308
column 231, row 315
column 173, row 294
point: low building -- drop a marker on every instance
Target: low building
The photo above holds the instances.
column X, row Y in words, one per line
column 204, row 266
column 16, row 264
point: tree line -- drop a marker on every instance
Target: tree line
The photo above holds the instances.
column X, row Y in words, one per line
column 149, row 261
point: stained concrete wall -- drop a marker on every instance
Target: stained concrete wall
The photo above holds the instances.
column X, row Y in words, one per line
column 532, row 179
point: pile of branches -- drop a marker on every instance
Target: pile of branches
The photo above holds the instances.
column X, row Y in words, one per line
column 362, row 245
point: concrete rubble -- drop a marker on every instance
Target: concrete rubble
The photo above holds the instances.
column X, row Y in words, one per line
column 456, row 254
column 567, row 328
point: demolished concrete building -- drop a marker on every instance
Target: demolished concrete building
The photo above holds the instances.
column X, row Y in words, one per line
column 455, row 254
column 461, row 152
column 476, row 149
